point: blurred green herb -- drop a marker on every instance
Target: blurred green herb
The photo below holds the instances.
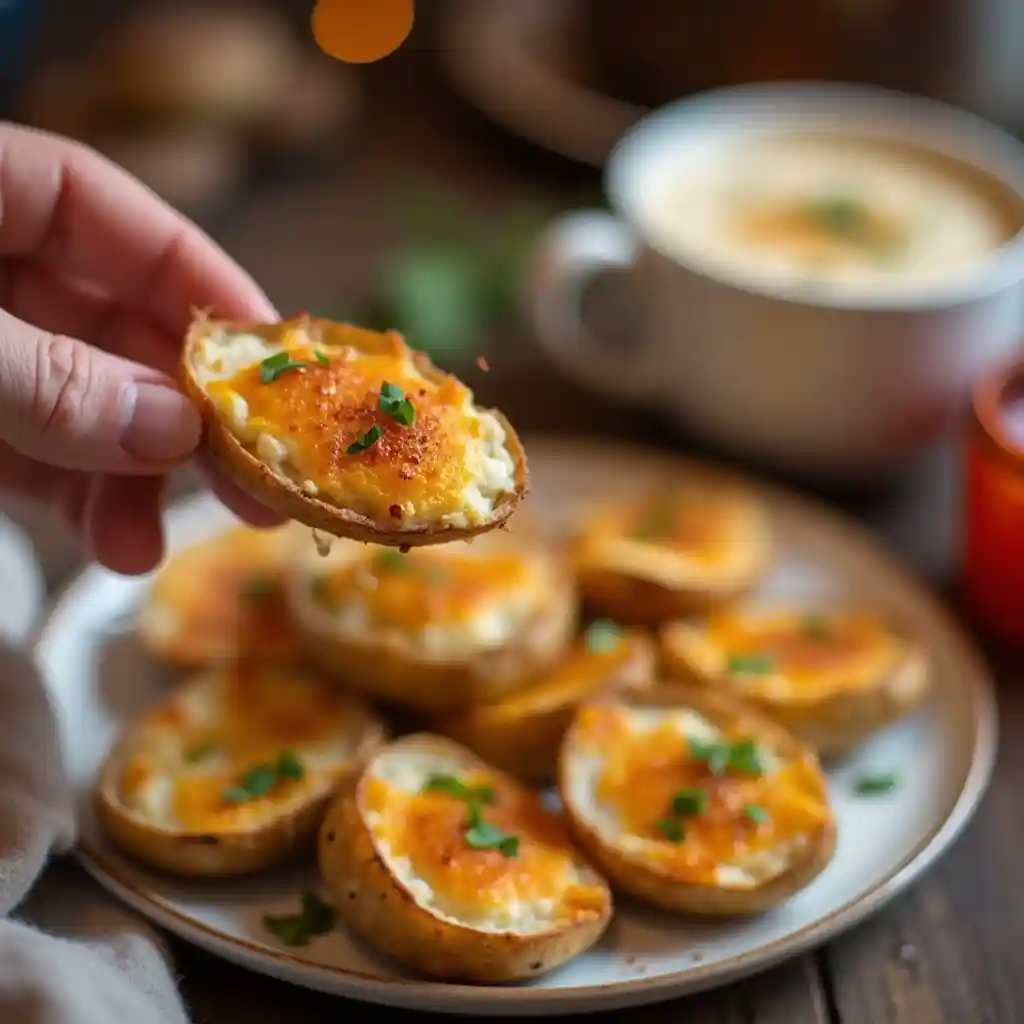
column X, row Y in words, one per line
column 315, row 918
column 455, row 276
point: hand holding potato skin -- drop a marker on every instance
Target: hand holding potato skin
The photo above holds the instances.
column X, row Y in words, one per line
column 351, row 432
column 98, row 279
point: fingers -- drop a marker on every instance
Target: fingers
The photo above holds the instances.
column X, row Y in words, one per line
column 247, row 509
column 117, row 519
column 38, row 296
column 72, row 209
column 123, row 524
column 74, row 406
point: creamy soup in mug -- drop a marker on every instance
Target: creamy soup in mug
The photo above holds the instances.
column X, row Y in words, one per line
column 846, row 213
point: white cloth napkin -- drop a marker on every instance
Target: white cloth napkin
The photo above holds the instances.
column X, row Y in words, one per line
column 68, row 954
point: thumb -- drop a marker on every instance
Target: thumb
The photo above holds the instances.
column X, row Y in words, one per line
column 68, row 404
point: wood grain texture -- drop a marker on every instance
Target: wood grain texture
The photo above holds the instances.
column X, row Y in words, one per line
column 949, row 952
column 790, row 994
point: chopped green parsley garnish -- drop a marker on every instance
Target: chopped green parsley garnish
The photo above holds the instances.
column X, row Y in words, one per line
column 672, row 829
column 750, row 664
column 758, row 815
column 689, row 802
column 480, row 834
column 602, row 635
column 875, row 784
column 259, row 781
column 454, row 786
column 742, row 756
column 394, row 403
column 316, row 917
column 281, row 362
column 368, row 440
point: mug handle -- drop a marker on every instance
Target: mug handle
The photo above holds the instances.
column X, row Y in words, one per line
column 569, row 256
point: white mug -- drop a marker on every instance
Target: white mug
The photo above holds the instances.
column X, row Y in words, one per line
column 832, row 386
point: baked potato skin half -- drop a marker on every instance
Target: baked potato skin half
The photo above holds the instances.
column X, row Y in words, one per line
column 378, row 907
column 523, row 735
column 389, row 669
column 206, row 855
column 222, row 852
column 218, row 600
column 832, row 724
column 644, row 603
column 286, row 497
column 683, row 548
column 629, row 874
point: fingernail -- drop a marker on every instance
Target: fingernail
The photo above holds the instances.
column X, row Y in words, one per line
column 158, row 424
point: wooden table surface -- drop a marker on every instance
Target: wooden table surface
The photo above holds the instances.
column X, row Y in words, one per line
column 951, row 951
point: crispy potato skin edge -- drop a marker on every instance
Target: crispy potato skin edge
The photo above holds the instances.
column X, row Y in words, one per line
column 378, row 908
column 527, row 746
column 639, row 602
column 835, row 726
column 387, row 670
column 219, row 854
column 256, row 479
column 632, row 876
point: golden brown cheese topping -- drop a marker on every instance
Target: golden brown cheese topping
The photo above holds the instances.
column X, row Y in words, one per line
column 262, row 736
column 481, row 841
column 811, row 652
column 426, row 586
column 401, row 456
column 701, row 524
column 703, row 804
column 224, row 597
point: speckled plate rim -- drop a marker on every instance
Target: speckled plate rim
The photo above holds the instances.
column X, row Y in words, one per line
column 411, row 993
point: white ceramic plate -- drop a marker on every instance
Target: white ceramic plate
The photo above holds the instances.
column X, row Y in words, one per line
column 21, row 584
column 943, row 757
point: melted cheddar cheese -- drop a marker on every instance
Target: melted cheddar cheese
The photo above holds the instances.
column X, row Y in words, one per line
column 658, row 784
column 445, row 599
column 790, row 655
column 422, row 835
column 220, row 599
column 231, row 748
column 324, row 422
column 701, row 530
column 579, row 675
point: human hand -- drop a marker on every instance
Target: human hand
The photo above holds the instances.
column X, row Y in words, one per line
column 98, row 281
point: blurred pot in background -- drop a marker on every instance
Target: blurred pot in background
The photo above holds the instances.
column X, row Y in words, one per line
column 962, row 51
